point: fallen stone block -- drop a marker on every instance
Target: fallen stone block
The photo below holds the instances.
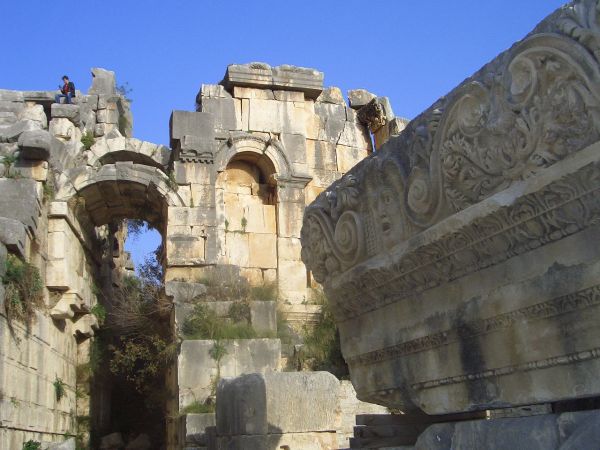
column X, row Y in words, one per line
column 11, row 133
column 13, row 235
column 276, row 403
column 68, row 111
column 358, row 98
column 35, row 145
column 19, row 201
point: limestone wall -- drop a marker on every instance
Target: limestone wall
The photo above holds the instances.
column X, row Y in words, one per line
column 257, row 150
column 40, row 142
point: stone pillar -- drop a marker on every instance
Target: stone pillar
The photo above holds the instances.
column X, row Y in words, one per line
column 292, row 275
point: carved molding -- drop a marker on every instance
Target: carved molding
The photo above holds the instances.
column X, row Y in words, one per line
column 530, row 108
column 583, row 299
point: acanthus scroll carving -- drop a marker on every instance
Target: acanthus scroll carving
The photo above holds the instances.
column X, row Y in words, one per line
column 529, row 108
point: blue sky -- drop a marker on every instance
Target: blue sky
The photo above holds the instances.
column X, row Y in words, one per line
column 412, row 52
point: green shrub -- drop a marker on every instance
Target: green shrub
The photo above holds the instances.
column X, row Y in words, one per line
column 87, row 139
column 198, row 408
column 265, row 292
column 32, row 445
column 59, row 389
column 203, row 323
column 140, row 361
column 239, row 311
column 24, row 289
column 99, row 311
column 321, row 349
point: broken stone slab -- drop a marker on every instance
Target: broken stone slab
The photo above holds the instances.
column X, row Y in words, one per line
column 13, row 235
column 332, row 95
column 566, row 431
column 261, row 75
column 11, row 96
column 358, row 98
column 20, row 200
column 277, row 402
column 11, row 133
column 103, row 82
column 35, row 145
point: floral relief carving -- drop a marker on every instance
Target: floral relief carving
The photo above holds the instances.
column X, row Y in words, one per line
column 531, row 107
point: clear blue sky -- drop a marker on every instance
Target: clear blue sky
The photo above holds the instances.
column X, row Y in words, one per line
column 411, row 51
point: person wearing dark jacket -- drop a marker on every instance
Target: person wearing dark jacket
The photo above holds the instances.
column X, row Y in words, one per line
column 67, row 89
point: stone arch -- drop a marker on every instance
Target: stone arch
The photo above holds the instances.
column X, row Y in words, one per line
column 121, row 149
column 252, row 144
column 120, row 190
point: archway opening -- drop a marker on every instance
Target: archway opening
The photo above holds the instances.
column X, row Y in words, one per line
column 132, row 351
column 249, row 210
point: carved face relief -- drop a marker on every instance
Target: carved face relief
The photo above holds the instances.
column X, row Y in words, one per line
column 385, row 196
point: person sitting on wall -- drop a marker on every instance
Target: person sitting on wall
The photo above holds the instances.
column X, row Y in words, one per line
column 68, row 91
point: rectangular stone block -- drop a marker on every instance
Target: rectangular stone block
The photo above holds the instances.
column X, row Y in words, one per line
column 195, row 428
column 11, row 96
column 213, row 91
column 261, row 218
column 244, row 92
column 295, row 147
column 277, row 403
column 321, row 155
column 20, row 199
column 107, row 116
column 277, row 117
column 184, row 249
column 244, row 356
column 348, row 157
column 223, row 110
column 260, row 75
column 183, row 123
column 13, row 235
column 262, row 250
column 67, row 111
column 237, row 249
column 263, row 316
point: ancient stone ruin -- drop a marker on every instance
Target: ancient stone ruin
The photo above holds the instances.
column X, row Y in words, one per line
column 456, row 251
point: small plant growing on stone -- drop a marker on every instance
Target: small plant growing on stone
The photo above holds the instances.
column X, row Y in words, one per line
column 24, row 289
column 226, row 225
column 99, row 311
column 87, row 139
column 59, row 388
column 172, row 182
column 239, row 311
column 48, row 191
column 32, row 445
column 8, row 161
column 244, row 224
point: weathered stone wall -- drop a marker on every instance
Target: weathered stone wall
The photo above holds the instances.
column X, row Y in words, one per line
column 40, row 146
column 258, row 150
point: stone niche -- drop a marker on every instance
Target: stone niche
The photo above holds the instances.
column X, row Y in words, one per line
column 462, row 259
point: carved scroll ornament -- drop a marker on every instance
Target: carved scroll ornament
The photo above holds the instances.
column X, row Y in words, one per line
column 532, row 106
